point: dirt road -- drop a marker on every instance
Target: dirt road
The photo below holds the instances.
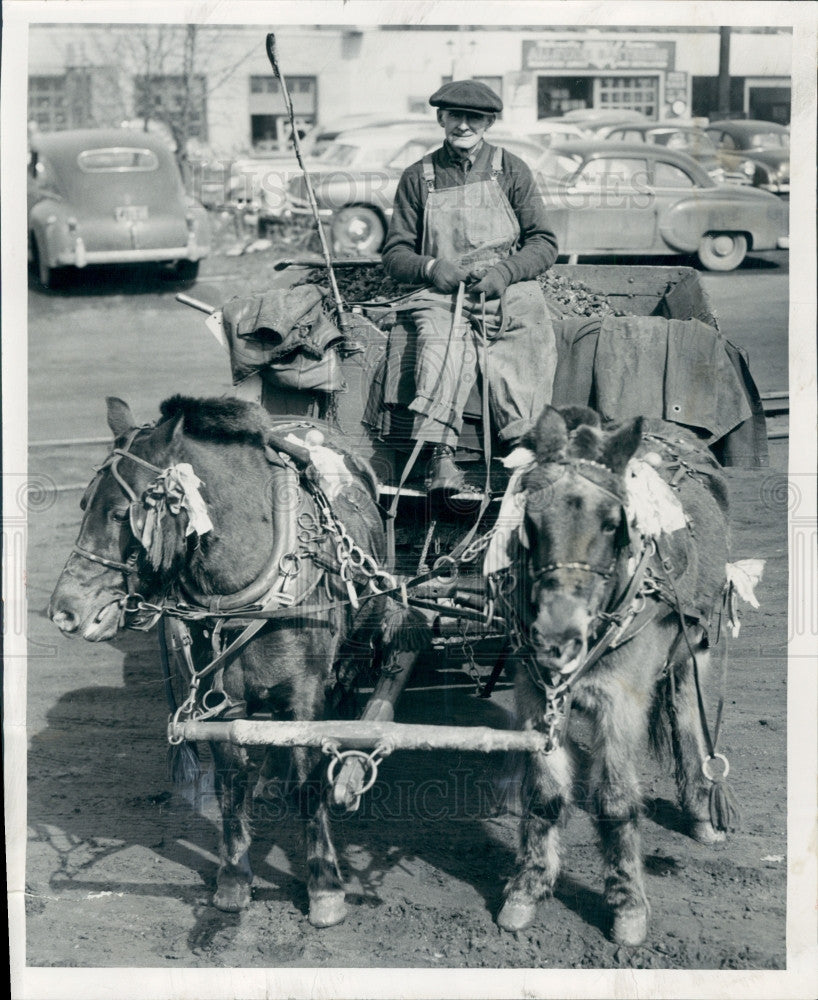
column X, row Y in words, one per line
column 121, row 864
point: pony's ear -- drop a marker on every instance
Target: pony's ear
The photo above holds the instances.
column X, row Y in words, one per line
column 577, row 416
column 120, row 418
column 620, row 447
column 549, row 436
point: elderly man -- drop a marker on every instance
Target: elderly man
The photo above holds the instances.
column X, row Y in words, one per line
column 470, row 227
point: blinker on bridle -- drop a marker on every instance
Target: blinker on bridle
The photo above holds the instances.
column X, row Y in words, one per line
column 111, row 464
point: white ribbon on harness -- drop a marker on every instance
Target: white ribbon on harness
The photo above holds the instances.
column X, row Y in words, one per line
column 650, row 504
column 742, row 577
column 185, row 479
column 332, row 470
column 510, row 516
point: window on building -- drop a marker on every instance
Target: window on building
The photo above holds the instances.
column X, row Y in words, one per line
column 634, row 93
column 269, row 119
column 47, row 104
column 179, row 101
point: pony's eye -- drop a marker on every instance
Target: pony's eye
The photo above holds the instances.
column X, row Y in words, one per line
column 120, row 516
column 609, row 527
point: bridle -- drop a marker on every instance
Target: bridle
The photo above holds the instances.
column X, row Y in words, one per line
column 577, row 465
column 111, row 464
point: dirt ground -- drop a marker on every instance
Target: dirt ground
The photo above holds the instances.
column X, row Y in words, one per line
column 121, row 864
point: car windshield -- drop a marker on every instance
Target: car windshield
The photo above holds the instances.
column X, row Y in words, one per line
column 117, row 159
column 347, row 154
column 697, row 143
column 764, row 140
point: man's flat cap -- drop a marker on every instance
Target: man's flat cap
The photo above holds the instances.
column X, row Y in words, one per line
column 466, row 95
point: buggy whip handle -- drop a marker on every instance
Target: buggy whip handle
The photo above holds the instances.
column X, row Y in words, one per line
column 271, row 55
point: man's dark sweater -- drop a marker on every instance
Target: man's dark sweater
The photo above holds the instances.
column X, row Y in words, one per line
column 401, row 254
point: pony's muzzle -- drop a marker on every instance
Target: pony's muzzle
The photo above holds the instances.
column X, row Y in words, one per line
column 66, row 621
column 558, row 651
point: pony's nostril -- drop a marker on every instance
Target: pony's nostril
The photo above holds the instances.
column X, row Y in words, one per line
column 65, row 621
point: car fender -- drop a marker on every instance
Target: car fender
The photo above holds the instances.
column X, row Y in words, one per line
column 686, row 221
column 47, row 223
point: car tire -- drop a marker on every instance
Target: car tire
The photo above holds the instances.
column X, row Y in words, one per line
column 722, row 251
column 44, row 273
column 358, row 229
column 185, row 270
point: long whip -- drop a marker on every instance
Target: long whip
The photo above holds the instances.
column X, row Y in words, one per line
column 343, row 318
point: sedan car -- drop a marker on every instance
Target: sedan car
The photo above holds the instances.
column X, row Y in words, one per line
column 640, row 200
column 758, row 150
column 356, row 178
column 682, row 138
column 110, row 196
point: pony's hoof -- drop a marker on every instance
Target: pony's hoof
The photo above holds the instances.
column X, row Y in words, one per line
column 630, row 926
column 327, row 909
column 517, row 912
column 704, row 832
column 232, row 895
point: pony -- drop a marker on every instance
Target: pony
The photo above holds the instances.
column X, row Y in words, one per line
column 619, row 576
column 201, row 511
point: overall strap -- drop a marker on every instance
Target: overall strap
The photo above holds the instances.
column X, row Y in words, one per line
column 428, row 172
column 497, row 161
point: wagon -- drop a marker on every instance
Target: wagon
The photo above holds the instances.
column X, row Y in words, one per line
column 435, row 548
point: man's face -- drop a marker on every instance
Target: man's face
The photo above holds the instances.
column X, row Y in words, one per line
column 464, row 129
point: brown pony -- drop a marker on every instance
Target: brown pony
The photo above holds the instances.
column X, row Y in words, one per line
column 250, row 496
column 577, row 550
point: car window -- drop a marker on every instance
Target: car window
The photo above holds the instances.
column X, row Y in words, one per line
column 611, row 171
column 722, row 139
column 339, row 153
column 764, row 140
column 116, row 160
column 668, row 175
column 556, row 167
column 627, row 135
column 410, row 153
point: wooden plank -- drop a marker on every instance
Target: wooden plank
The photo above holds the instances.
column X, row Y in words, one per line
column 361, row 735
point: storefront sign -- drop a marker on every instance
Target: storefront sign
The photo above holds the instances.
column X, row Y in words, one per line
column 676, row 96
column 598, row 54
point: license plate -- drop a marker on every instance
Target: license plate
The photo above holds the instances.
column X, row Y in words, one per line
column 131, row 213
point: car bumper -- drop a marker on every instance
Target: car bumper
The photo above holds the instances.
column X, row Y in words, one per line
column 776, row 188
column 78, row 256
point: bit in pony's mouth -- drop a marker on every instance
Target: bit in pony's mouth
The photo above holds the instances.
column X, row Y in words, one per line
column 554, row 666
column 104, row 624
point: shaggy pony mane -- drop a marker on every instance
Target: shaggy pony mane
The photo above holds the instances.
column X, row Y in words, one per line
column 224, row 420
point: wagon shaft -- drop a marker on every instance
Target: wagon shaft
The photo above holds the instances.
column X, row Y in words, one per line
column 361, row 735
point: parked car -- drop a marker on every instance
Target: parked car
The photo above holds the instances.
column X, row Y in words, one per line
column 592, row 120
column 110, row 196
column 634, row 199
column 681, row 138
column 253, row 175
column 550, row 130
column 356, row 178
column 760, row 151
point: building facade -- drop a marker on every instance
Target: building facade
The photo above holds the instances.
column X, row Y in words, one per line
column 217, row 81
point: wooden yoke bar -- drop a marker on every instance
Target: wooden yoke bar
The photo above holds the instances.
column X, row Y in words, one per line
column 361, row 735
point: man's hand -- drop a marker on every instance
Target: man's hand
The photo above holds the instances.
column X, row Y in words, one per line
column 447, row 274
column 493, row 283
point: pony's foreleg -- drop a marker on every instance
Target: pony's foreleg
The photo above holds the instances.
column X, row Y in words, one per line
column 232, row 786
column 689, row 748
column 325, row 886
column 620, row 731
column 547, row 792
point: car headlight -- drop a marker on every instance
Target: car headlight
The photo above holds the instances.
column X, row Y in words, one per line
column 747, row 167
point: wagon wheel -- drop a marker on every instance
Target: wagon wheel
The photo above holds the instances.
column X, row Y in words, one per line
column 722, row 251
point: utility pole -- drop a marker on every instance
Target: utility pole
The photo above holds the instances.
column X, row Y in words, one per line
column 724, row 72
